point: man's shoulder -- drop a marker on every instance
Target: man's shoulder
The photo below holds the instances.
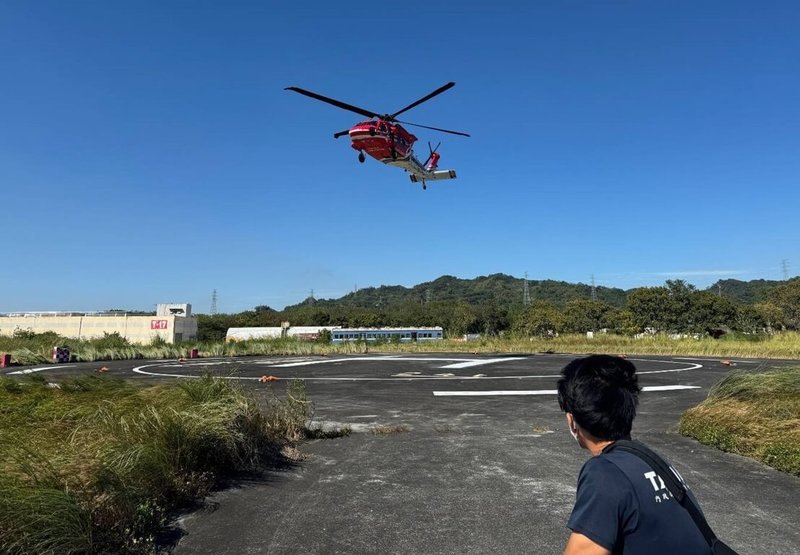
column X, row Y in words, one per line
column 609, row 461
column 632, row 463
column 624, row 460
column 604, row 467
column 621, row 468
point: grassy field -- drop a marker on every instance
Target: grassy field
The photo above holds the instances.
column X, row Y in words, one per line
column 96, row 464
column 37, row 349
column 779, row 346
column 755, row 415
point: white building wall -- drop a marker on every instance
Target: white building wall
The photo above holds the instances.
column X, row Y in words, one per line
column 306, row 332
column 243, row 334
column 136, row 329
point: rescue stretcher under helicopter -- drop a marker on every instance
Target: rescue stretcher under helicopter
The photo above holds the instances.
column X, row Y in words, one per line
column 383, row 138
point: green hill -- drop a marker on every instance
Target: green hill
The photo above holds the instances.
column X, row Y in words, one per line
column 505, row 292
column 499, row 290
column 745, row 292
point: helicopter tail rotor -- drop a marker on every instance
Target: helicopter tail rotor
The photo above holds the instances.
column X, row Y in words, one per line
column 433, row 157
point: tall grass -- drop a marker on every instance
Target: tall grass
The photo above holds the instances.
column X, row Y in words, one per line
column 37, row 349
column 785, row 345
column 42, row 520
column 780, row 345
column 97, row 464
column 756, row 415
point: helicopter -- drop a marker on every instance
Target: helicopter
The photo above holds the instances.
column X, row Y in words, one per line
column 383, row 138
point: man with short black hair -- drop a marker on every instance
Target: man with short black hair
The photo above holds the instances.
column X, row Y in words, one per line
column 622, row 505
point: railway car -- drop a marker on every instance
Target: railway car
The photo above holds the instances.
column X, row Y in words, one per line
column 387, row 334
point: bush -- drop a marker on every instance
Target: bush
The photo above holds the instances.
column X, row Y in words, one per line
column 325, row 337
column 24, row 509
column 102, row 461
column 110, row 341
column 754, row 415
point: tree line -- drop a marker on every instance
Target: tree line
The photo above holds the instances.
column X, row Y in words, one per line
column 676, row 308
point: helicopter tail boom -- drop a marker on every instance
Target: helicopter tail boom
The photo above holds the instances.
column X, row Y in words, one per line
column 440, row 174
column 421, row 172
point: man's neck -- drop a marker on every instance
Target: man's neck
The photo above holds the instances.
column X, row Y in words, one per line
column 596, row 446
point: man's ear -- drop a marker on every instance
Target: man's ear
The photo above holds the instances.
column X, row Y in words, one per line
column 571, row 422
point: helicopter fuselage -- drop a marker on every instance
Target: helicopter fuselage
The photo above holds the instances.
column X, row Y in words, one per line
column 391, row 144
column 383, row 140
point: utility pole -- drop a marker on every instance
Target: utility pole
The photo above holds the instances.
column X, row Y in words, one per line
column 526, row 292
column 214, row 302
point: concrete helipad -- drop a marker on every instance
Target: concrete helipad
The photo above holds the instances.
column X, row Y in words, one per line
column 486, row 463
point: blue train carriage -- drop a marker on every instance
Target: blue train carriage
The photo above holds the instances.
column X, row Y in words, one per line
column 404, row 335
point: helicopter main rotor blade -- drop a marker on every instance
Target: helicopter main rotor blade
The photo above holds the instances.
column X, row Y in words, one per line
column 337, row 103
column 440, row 90
column 435, row 128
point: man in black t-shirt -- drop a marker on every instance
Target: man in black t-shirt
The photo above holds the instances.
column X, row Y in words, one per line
column 622, row 505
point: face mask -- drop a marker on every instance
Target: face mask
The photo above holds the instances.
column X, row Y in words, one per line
column 573, row 430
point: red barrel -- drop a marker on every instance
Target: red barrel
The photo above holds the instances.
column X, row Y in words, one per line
column 5, row 360
column 194, row 353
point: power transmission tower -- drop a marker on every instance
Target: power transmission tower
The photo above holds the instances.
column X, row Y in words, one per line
column 594, row 290
column 311, row 297
column 785, row 268
column 214, row 302
column 526, row 292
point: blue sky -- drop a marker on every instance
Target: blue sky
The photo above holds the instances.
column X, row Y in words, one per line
column 148, row 151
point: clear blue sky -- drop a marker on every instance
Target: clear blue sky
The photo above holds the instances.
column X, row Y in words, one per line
column 148, row 151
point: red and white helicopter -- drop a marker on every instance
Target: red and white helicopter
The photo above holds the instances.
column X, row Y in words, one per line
column 383, row 138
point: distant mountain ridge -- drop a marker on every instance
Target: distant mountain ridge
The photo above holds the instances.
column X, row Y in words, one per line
column 497, row 289
column 506, row 291
column 746, row 292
